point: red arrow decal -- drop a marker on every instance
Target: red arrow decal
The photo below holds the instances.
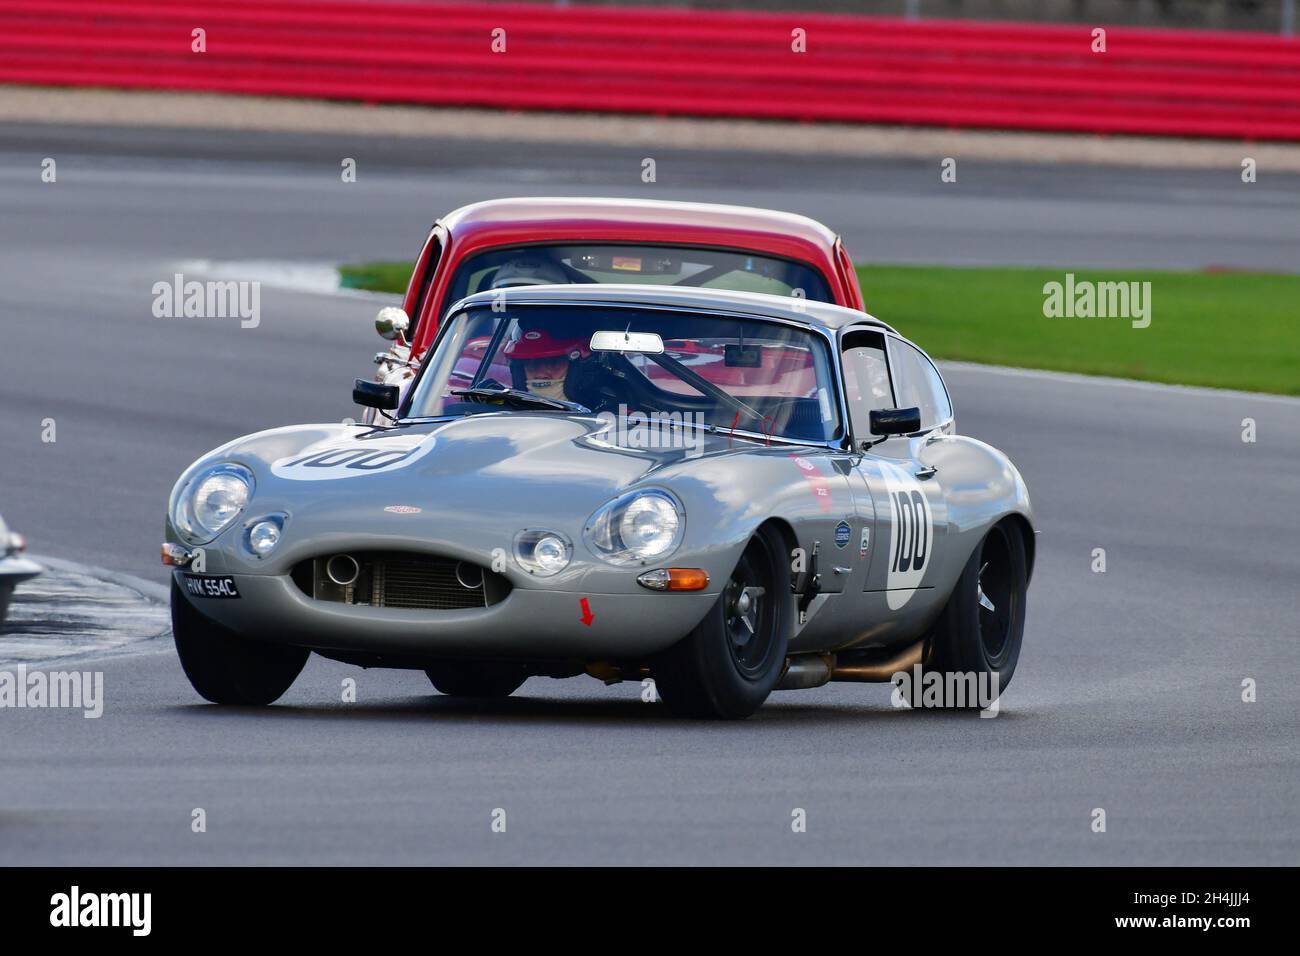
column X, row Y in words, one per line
column 587, row 616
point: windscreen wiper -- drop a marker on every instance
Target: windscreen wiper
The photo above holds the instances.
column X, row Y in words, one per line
column 520, row 398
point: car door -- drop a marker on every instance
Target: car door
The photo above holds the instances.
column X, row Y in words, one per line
column 898, row 488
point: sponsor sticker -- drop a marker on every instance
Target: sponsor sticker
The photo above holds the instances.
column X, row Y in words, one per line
column 818, row 483
column 842, row 534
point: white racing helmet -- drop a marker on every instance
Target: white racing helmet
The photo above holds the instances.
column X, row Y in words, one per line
column 528, row 270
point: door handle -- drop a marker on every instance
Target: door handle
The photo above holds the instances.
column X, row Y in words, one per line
column 927, row 471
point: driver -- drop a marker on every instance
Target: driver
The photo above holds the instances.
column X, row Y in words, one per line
column 540, row 362
column 529, row 269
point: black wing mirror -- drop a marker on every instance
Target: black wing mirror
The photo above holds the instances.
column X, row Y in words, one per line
column 374, row 395
column 896, row 421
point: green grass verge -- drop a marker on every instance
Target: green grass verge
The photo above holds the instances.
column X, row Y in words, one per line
column 1226, row 330
column 376, row 276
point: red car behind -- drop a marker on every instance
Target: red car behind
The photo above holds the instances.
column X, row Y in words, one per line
column 508, row 242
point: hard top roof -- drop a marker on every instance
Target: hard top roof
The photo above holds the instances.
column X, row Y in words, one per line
column 568, row 217
column 758, row 304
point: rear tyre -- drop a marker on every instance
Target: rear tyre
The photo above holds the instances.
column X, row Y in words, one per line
column 726, row 667
column 981, row 627
column 226, row 668
column 477, row 680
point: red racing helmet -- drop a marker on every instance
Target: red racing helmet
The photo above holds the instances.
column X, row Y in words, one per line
column 541, row 344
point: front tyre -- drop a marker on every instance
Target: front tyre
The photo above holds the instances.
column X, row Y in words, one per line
column 226, row 668
column 980, row 630
column 476, row 680
column 731, row 661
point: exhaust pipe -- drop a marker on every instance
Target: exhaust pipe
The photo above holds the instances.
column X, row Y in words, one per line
column 864, row 669
column 806, row 671
column 342, row 569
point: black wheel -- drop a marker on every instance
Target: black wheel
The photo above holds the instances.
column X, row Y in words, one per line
column 476, row 679
column 727, row 666
column 981, row 628
column 226, row 668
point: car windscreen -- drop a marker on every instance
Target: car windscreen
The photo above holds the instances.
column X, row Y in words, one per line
column 655, row 265
column 748, row 375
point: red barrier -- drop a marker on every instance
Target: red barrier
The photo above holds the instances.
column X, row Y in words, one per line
column 677, row 62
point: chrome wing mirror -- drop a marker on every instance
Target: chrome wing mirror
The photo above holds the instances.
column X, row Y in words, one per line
column 392, row 323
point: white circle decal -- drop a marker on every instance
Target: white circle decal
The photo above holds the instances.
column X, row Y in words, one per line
column 911, row 535
column 354, row 458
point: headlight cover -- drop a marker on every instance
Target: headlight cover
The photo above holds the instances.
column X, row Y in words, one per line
column 210, row 501
column 637, row 527
column 262, row 536
column 543, row 553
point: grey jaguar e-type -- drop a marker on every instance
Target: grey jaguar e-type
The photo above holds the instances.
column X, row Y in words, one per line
column 729, row 493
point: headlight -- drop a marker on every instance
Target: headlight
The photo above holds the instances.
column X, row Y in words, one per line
column 264, row 535
column 637, row 527
column 542, row 553
column 210, row 501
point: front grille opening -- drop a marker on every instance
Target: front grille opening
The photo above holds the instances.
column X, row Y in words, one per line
column 400, row 579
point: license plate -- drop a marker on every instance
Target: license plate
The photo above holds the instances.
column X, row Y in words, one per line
column 210, row 586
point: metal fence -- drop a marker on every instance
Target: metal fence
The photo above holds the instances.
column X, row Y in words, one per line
column 792, row 66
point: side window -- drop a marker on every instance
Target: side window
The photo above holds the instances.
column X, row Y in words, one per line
column 417, row 289
column 866, row 379
column 918, row 383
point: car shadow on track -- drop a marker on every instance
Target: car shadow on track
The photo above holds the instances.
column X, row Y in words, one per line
column 541, row 709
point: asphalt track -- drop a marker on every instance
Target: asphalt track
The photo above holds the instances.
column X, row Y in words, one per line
column 1128, row 695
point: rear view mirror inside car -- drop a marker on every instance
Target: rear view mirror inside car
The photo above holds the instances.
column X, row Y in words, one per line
column 743, row 356
column 647, row 342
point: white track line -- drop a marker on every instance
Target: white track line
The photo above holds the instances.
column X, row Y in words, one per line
column 310, row 277
column 67, row 645
column 1199, row 391
column 157, row 593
